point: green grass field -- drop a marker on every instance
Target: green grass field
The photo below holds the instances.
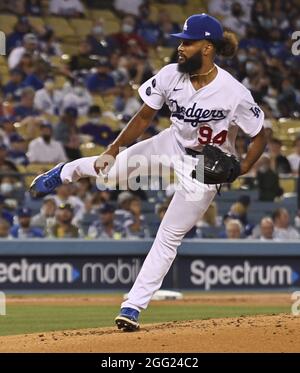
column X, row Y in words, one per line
column 24, row 318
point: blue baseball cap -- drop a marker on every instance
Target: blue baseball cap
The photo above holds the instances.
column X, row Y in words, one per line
column 199, row 27
column 24, row 212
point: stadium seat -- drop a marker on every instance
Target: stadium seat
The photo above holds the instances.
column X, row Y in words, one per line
column 288, row 185
column 69, row 48
column 112, row 26
column 106, row 14
column 61, row 26
column 82, row 27
column 7, row 22
column 176, row 11
column 37, row 22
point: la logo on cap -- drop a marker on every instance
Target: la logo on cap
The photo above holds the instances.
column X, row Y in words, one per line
column 185, row 26
column 207, row 33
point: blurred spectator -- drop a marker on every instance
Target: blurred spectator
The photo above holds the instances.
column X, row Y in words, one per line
column 13, row 88
column 49, row 43
column 15, row 39
column 7, row 129
column 14, row 6
column 219, row 8
column 78, row 97
column 17, row 152
column 166, row 28
column 127, row 103
column 48, row 99
column 37, row 74
column 136, row 227
column 294, row 158
column 34, row 7
column 44, row 149
column 279, row 162
column 234, row 229
column 64, row 196
column 146, row 28
column 67, row 132
column 4, row 228
column 101, row 81
column 122, row 213
column 88, row 217
column 99, row 43
column 107, row 226
column 120, row 71
column 66, row 8
column 12, row 189
column 5, row 163
column 209, row 218
column 287, row 99
column 45, row 219
column 26, row 108
column 267, row 181
column 83, row 188
column 4, row 212
column 23, row 229
column 63, row 228
column 256, row 79
column 82, row 60
column 101, row 133
column 128, row 37
column 128, row 6
column 266, row 229
column 30, row 44
column 283, row 230
column 236, row 21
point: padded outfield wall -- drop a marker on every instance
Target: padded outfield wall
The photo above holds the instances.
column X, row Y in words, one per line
column 204, row 265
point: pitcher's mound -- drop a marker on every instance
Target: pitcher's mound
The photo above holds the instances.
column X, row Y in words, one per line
column 278, row 333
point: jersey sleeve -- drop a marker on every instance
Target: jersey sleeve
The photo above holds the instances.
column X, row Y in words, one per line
column 152, row 92
column 248, row 115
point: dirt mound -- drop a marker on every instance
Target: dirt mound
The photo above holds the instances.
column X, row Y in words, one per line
column 244, row 334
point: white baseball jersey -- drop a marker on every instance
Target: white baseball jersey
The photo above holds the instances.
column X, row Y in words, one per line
column 211, row 114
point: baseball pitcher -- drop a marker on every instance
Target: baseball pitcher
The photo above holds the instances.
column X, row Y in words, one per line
column 207, row 106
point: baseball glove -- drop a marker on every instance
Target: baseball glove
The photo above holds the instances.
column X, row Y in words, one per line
column 219, row 167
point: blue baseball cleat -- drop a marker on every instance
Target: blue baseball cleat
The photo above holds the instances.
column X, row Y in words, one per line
column 128, row 320
column 47, row 182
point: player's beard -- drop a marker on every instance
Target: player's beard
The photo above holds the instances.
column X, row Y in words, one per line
column 192, row 64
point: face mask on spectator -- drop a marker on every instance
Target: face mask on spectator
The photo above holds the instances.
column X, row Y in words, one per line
column 95, row 120
column 97, row 30
column 242, row 57
column 250, row 68
column 127, row 28
column 79, row 91
column 6, row 188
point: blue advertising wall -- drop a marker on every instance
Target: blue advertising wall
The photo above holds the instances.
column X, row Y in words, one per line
column 206, row 265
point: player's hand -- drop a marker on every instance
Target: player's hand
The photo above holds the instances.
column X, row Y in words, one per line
column 106, row 160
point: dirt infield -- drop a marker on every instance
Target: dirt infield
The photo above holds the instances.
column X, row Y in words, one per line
column 250, row 334
column 277, row 333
